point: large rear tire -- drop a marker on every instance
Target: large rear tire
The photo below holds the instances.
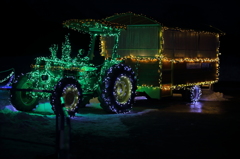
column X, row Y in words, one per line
column 117, row 89
column 22, row 100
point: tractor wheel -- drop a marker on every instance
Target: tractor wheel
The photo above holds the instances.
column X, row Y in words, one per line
column 22, row 100
column 70, row 91
column 193, row 94
column 117, row 89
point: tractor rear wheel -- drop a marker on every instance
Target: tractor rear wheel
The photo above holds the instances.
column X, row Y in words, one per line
column 117, row 90
column 22, row 100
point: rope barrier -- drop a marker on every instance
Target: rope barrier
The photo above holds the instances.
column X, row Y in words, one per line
column 7, row 70
column 11, row 75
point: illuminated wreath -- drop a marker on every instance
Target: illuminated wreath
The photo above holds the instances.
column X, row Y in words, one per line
column 68, row 92
column 117, row 89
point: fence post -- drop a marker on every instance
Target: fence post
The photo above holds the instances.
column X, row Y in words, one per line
column 63, row 133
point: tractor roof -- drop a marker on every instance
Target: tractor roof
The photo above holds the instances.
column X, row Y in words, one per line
column 130, row 18
column 94, row 26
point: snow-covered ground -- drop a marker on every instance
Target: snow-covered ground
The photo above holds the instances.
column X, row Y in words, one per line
column 39, row 126
column 209, row 95
column 105, row 124
column 45, row 107
column 42, row 120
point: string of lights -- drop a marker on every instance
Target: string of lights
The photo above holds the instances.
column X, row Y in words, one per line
column 11, row 75
column 54, row 69
column 162, row 58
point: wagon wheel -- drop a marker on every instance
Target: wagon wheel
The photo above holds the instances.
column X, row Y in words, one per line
column 117, row 90
column 193, row 94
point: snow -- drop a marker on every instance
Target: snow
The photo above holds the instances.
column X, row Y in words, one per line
column 39, row 125
column 42, row 120
column 108, row 125
column 209, row 95
column 45, row 107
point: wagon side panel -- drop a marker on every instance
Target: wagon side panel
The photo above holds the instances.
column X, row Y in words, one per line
column 194, row 56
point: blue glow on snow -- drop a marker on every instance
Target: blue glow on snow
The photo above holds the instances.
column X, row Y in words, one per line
column 196, row 107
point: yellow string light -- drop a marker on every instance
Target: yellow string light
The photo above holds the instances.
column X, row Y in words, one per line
column 162, row 58
column 178, row 86
column 165, row 59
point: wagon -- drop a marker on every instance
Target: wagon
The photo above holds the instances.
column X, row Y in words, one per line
column 166, row 59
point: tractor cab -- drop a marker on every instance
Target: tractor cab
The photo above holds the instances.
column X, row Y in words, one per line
column 96, row 29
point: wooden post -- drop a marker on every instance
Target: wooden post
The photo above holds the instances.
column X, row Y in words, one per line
column 63, row 134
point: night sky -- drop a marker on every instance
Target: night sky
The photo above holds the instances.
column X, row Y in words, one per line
column 31, row 26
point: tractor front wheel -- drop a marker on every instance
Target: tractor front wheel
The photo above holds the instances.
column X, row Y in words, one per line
column 67, row 92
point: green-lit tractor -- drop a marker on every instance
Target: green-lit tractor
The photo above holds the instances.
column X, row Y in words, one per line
column 137, row 54
column 77, row 80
